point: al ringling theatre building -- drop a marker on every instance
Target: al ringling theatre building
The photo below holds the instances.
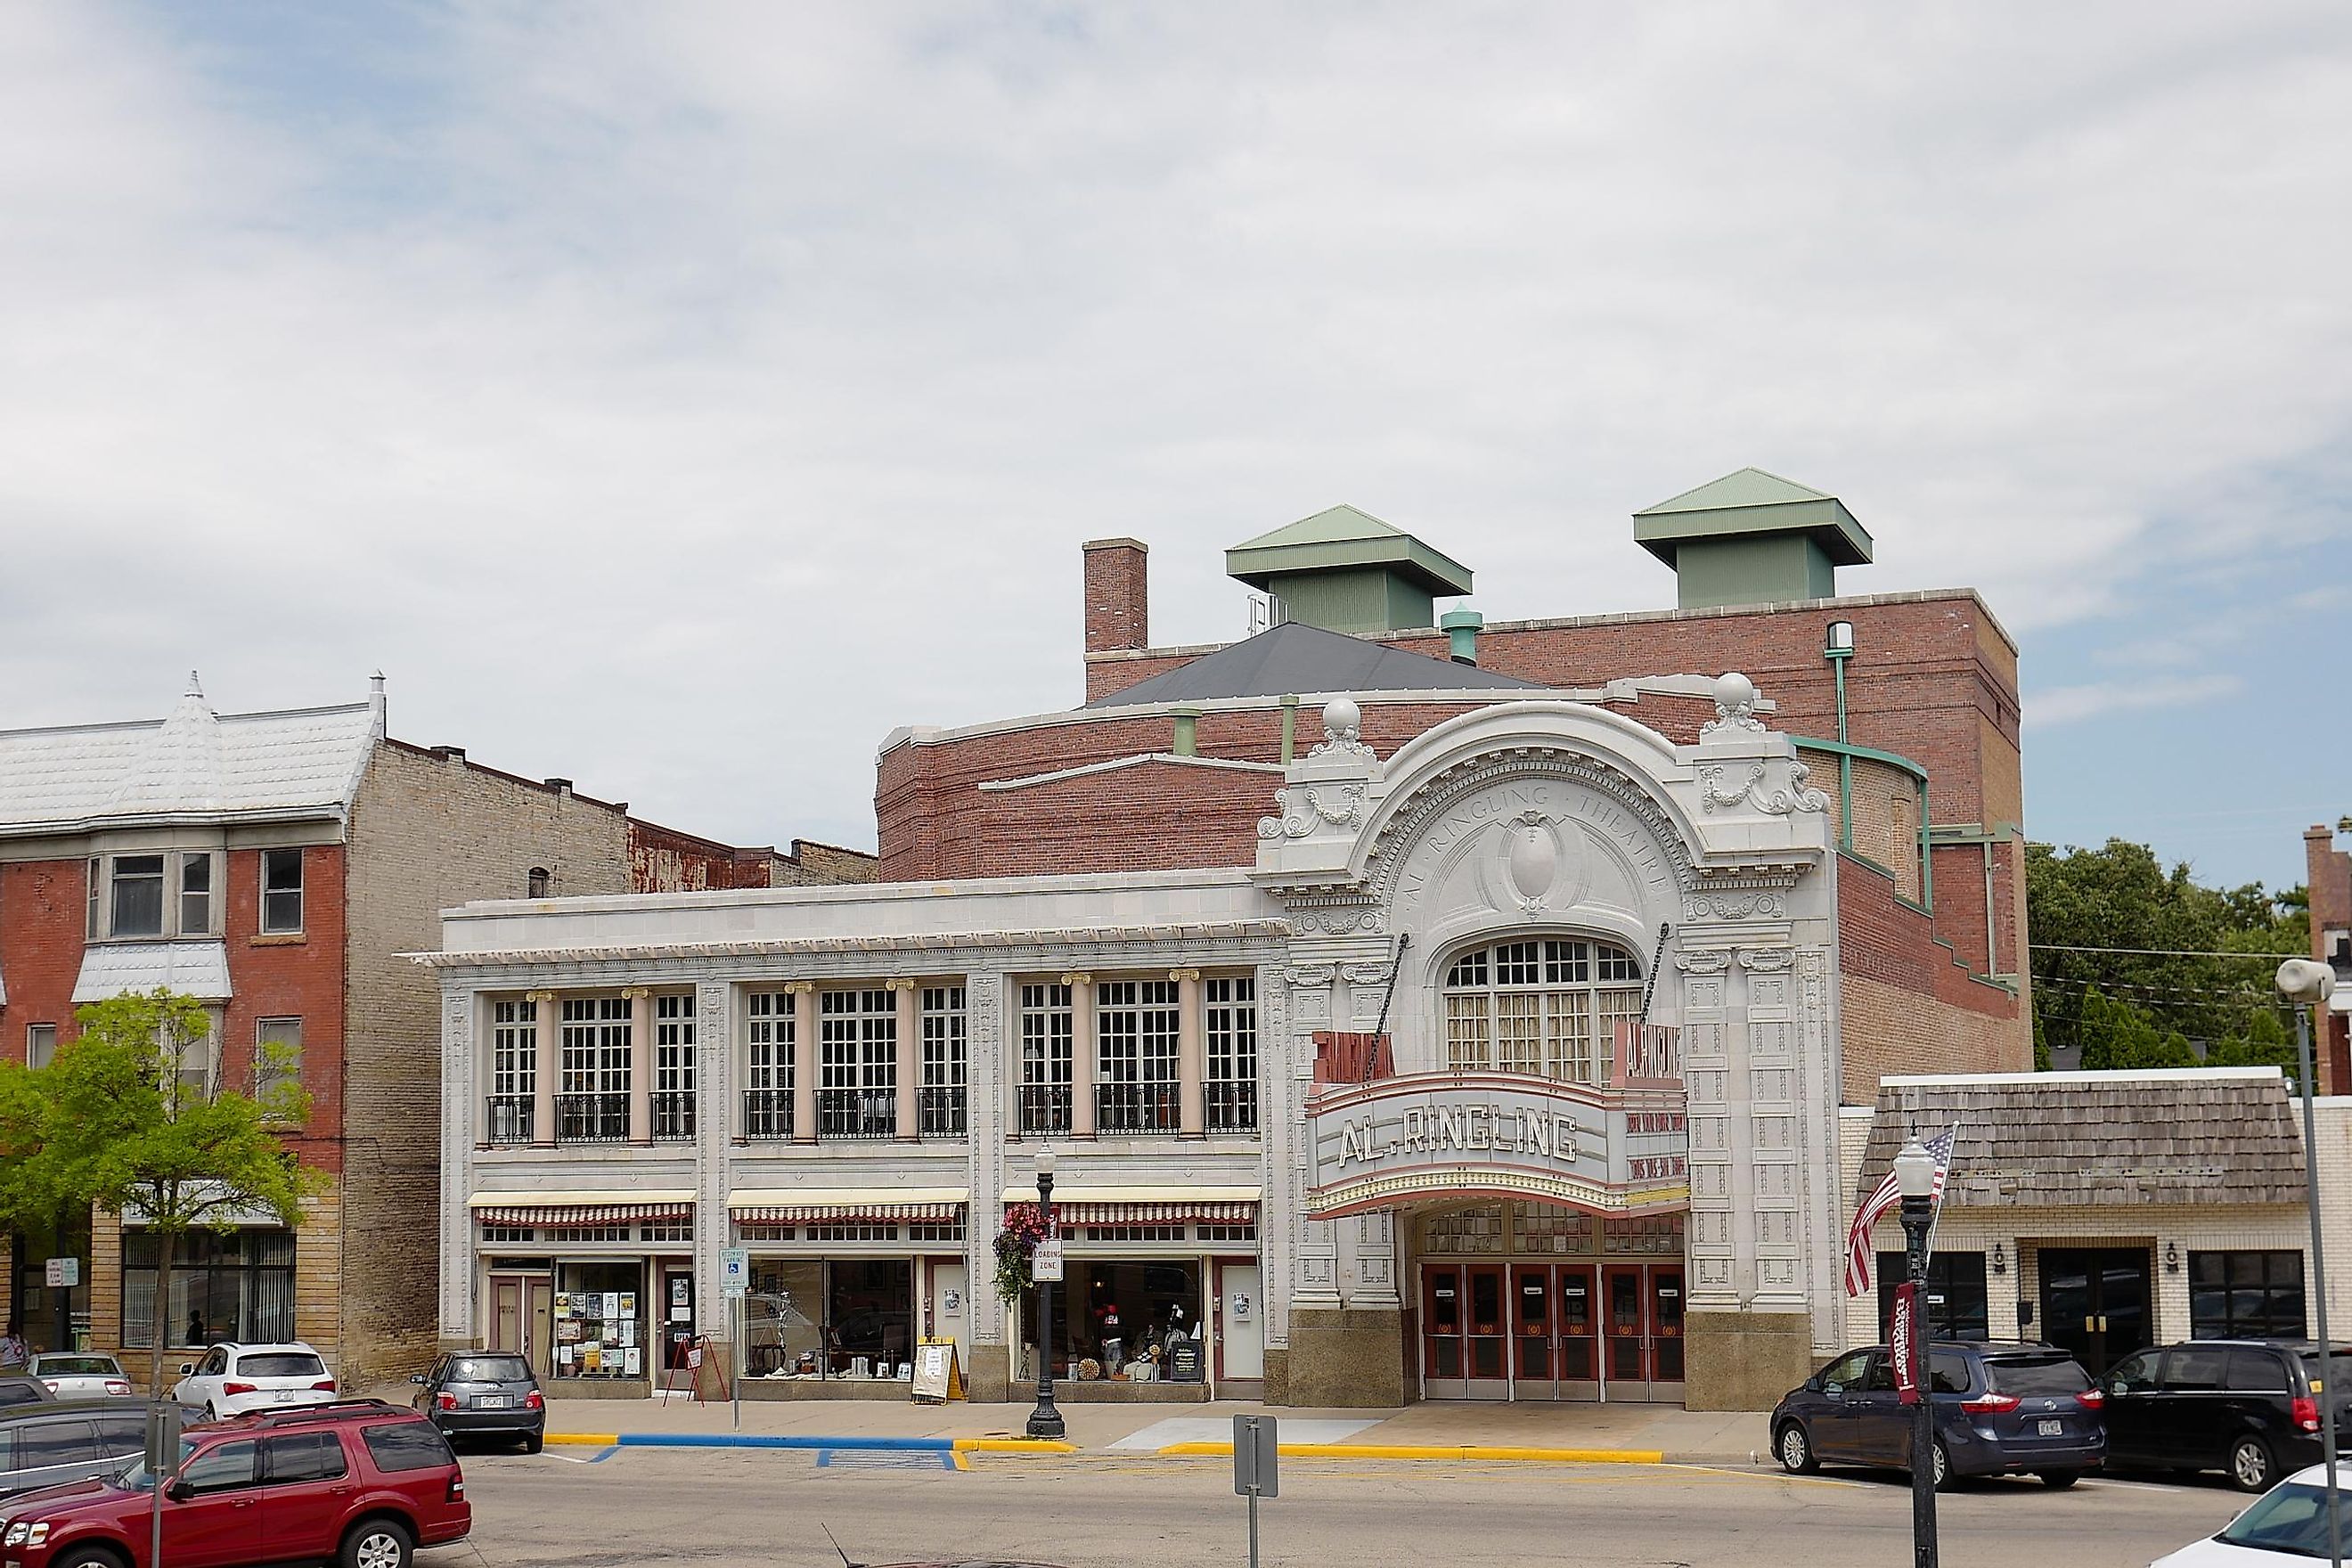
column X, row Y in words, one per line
column 1413, row 1010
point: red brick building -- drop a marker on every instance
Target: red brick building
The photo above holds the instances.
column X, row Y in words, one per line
column 276, row 866
column 1910, row 722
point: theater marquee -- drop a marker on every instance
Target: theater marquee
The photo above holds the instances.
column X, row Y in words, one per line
column 1467, row 1134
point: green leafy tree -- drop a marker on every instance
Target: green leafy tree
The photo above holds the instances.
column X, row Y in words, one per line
column 2116, row 921
column 129, row 1118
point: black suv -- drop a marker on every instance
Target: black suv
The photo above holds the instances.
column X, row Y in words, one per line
column 2248, row 1408
column 2000, row 1409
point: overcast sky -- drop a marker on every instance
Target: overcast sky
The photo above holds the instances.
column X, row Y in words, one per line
column 680, row 396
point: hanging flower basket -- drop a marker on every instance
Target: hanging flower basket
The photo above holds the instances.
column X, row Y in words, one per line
column 1025, row 1226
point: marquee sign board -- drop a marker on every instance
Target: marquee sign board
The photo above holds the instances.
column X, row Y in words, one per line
column 1443, row 1134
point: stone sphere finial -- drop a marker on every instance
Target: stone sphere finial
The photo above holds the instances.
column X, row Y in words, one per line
column 1734, row 693
column 1342, row 719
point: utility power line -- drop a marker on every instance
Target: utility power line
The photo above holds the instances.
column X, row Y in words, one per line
column 2161, row 952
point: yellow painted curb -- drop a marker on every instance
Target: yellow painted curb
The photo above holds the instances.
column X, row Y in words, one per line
column 587, row 1439
column 1018, row 1445
column 1447, row 1451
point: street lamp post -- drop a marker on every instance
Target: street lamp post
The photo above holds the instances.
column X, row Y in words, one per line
column 1915, row 1177
column 2307, row 982
column 1046, row 1421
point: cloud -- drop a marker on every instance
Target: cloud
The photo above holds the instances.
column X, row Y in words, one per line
column 2062, row 705
column 680, row 397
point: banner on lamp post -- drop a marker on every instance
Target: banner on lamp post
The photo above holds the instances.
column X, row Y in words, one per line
column 1901, row 1337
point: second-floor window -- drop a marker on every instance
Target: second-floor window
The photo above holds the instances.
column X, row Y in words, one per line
column 1230, row 1086
column 281, row 891
column 1548, row 1008
column 673, row 1100
column 40, row 1045
column 514, row 1070
column 941, row 1102
column 1046, row 1058
column 592, row 1104
column 277, row 1053
column 158, row 892
column 768, row 1064
column 1136, row 1057
column 857, row 1064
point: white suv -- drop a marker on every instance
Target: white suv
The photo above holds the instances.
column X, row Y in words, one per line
column 233, row 1379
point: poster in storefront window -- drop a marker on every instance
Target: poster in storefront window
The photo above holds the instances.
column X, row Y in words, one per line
column 612, row 1305
column 628, row 1332
column 563, row 1304
column 628, row 1305
column 568, row 1333
column 630, row 1363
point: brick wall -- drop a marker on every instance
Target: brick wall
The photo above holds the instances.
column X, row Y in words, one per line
column 42, row 919
column 1118, row 607
column 1887, row 1029
column 428, row 831
column 936, row 821
column 809, row 863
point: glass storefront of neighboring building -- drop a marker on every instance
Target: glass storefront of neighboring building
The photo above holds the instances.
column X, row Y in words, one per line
column 233, row 1285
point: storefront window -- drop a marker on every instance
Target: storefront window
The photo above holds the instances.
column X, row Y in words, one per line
column 1112, row 1315
column 238, row 1286
column 599, row 1319
column 36, row 1311
column 838, row 1318
column 2246, row 1295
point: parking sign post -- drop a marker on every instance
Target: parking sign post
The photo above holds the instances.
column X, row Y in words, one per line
column 1256, row 1468
column 735, row 1279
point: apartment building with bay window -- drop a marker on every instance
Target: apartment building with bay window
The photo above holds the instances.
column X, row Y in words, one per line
column 273, row 866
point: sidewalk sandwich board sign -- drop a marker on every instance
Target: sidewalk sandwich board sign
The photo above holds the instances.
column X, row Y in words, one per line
column 939, row 1377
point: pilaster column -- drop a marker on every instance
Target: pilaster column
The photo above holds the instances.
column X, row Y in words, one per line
column 1082, row 1053
column 803, row 995
column 910, row 1056
column 641, row 1064
column 1191, row 1054
column 546, row 1032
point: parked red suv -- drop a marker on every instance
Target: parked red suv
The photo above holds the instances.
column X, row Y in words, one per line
column 359, row 1482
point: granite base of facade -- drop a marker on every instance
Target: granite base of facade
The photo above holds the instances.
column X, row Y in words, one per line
column 1339, row 1358
column 1744, row 1361
column 598, row 1388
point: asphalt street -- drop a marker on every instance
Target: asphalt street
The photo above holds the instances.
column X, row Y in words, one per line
column 637, row 1506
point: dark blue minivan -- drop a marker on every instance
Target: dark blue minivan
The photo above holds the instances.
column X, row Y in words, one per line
column 2001, row 1409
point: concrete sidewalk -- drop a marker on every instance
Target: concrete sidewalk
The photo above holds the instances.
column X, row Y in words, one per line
column 1674, row 1435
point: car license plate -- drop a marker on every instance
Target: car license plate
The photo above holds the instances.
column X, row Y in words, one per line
column 2053, row 1428
column 284, row 1397
column 490, row 1402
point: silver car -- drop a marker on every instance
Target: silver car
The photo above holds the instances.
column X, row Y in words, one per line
column 49, row 1444
column 73, row 1374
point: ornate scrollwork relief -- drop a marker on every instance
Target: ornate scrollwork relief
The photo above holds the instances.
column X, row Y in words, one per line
column 1765, row 960
column 1305, row 811
column 1763, row 904
column 1703, row 960
column 1796, row 798
column 1343, row 732
column 1310, row 975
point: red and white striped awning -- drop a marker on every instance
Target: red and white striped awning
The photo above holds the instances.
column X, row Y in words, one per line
column 1156, row 1214
column 849, row 1205
column 853, row 1213
column 583, row 1208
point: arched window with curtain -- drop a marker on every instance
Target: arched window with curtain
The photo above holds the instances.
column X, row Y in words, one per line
column 1546, row 1006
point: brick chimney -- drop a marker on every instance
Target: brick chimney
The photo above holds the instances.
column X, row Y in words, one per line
column 1118, row 607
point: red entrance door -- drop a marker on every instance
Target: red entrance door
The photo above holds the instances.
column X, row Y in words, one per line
column 1625, row 1326
column 1534, row 1351
column 1487, row 1320
column 1578, row 1321
column 1441, row 1317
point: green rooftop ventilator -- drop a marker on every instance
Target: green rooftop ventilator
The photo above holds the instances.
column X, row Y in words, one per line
column 1752, row 538
column 1346, row 571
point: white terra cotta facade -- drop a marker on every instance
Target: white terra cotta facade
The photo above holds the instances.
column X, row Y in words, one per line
column 1501, row 891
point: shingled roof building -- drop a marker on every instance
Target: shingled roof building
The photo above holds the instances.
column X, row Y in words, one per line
column 274, row 865
column 2107, row 1211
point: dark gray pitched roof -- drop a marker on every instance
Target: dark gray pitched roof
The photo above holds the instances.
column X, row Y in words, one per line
column 1297, row 658
column 2075, row 1139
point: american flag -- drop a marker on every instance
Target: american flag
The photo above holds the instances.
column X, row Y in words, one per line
column 1857, row 1241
